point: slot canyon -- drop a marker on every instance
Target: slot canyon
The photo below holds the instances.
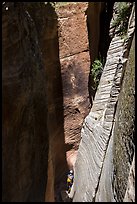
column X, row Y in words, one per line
column 57, row 113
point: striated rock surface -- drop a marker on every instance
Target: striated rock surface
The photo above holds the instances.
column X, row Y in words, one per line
column 102, row 148
column 75, row 63
column 96, row 131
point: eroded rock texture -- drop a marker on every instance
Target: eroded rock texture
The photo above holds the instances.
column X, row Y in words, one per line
column 33, row 132
column 75, row 66
column 130, row 191
column 107, row 145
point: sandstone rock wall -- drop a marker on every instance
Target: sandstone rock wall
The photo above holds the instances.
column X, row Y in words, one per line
column 75, row 67
column 33, row 129
column 124, row 131
column 25, row 140
column 103, row 178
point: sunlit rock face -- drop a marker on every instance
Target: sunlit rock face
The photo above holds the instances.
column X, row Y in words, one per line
column 75, row 67
column 107, row 146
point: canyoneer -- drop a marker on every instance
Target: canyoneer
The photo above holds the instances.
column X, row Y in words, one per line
column 70, row 180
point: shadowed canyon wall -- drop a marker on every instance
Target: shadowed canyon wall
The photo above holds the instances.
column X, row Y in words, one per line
column 99, row 15
column 33, row 129
column 124, row 130
column 93, row 24
column 47, row 27
column 25, row 140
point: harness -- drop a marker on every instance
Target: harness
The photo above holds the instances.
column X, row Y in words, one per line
column 69, row 180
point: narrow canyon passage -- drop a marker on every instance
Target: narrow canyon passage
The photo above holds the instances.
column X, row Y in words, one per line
column 76, row 23
column 58, row 115
column 75, row 67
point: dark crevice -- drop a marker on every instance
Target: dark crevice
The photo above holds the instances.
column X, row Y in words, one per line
column 105, row 39
column 103, row 42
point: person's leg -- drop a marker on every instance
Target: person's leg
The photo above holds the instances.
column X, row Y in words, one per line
column 68, row 185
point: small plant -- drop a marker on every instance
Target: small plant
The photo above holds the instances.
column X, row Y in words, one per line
column 96, row 72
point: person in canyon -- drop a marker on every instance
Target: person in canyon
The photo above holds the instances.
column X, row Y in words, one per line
column 70, row 180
